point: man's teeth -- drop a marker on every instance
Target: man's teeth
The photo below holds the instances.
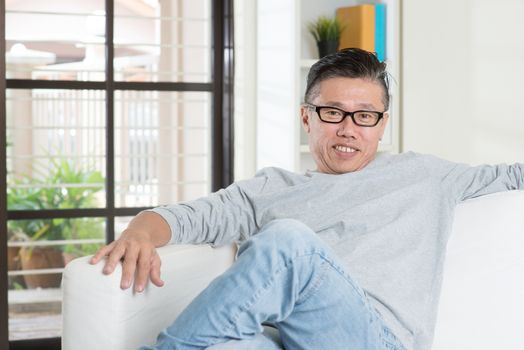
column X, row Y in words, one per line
column 344, row 149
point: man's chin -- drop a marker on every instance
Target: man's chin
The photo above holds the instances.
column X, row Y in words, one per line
column 349, row 167
column 346, row 168
column 339, row 166
column 350, row 170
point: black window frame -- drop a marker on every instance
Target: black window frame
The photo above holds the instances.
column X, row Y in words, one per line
column 222, row 155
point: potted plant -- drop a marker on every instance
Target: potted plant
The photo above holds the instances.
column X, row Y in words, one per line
column 13, row 257
column 48, row 192
column 326, row 31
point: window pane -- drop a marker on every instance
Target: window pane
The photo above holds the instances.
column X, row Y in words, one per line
column 55, row 149
column 38, row 250
column 163, row 41
column 162, row 147
column 121, row 223
column 64, row 41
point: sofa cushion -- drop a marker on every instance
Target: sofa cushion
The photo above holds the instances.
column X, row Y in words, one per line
column 482, row 300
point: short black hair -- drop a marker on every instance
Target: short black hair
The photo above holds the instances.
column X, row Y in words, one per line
column 348, row 63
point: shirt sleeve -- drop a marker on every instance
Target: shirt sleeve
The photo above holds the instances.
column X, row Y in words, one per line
column 466, row 182
column 222, row 217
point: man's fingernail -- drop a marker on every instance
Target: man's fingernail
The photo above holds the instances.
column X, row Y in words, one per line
column 139, row 289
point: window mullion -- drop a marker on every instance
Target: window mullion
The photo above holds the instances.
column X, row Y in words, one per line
column 110, row 132
column 4, row 315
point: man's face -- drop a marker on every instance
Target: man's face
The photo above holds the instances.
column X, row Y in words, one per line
column 344, row 147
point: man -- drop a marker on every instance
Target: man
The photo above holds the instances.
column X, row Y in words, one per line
column 345, row 257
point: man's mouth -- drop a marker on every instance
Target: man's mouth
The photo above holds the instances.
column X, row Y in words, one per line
column 345, row 149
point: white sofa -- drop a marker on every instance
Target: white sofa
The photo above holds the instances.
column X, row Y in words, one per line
column 481, row 308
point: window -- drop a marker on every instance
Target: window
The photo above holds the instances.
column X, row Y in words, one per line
column 110, row 107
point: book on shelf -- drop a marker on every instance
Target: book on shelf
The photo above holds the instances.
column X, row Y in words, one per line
column 364, row 26
column 380, row 31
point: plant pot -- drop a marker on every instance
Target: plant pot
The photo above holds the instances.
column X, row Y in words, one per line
column 13, row 260
column 41, row 258
column 327, row 47
column 13, row 264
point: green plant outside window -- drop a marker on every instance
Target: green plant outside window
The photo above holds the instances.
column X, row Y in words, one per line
column 66, row 186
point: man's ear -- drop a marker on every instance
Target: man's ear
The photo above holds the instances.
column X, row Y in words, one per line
column 304, row 117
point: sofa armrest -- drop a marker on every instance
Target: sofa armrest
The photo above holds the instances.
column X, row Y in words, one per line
column 97, row 314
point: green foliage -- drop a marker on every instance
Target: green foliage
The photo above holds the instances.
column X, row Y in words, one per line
column 17, row 286
column 325, row 29
column 65, row 186
column 84, row 228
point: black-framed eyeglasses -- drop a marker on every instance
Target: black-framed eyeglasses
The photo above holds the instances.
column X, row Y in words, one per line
column 335, row 115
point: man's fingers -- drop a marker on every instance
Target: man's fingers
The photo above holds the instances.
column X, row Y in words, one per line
column 129, row 266
column 155, row 270
column 105, row 250
column 140, row 262
column 143, row 268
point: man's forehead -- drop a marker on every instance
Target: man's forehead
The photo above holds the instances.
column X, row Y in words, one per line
column 342, row 92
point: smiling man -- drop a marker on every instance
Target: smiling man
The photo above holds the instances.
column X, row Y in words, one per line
column 348, row 256
column 338, row 144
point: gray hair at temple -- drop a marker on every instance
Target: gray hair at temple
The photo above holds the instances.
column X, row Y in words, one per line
column 348, row 63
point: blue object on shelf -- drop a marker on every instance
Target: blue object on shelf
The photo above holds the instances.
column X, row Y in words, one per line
column 380, row 31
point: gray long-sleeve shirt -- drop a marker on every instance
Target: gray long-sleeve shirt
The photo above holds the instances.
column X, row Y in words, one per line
column 389, row 223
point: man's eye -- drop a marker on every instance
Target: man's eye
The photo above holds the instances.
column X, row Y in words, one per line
column 333, row 112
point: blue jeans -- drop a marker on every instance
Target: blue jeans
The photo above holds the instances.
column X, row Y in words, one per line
column 286, row 276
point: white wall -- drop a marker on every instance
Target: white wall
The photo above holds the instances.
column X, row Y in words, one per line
column 277, row 109
column 462, row 79
column 245, row 88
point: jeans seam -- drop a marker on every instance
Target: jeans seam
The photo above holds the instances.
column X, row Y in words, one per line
column 315, row 287
column 344, row 276
column 391, row 340
column 363, row 296
column 250, row 302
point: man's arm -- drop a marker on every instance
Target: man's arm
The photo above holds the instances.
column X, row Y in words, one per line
column 466, row 182
column 137, row 248
column 486, row 179
column 219, row 218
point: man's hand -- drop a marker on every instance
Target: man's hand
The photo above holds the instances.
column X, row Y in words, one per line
column 139, row 256
column 136, row 248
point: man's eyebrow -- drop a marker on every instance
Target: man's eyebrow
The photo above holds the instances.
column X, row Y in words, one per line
column 334, row 104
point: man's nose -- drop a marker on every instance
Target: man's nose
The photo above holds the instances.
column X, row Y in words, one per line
column 347, row 128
